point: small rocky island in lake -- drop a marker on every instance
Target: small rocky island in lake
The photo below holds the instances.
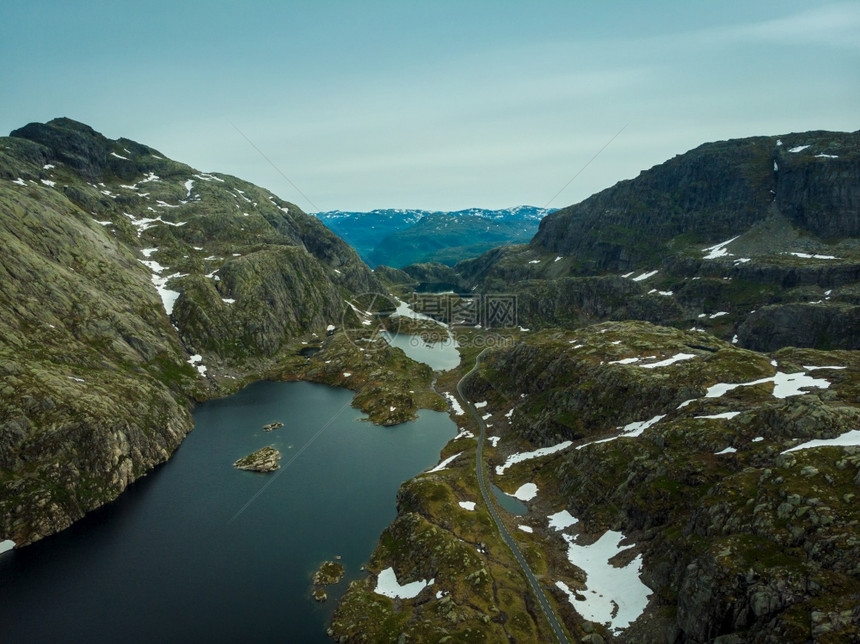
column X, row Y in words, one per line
column 329, row 572
column 271, row 426
column 263, row 460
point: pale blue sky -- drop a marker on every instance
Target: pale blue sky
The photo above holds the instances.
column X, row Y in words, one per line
column 438, row 105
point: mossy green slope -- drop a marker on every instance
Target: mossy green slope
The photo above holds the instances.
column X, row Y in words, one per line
column 98, row 378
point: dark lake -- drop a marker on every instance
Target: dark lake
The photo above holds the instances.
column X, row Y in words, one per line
column 201, row 552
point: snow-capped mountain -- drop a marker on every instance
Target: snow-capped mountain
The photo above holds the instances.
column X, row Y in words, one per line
column 466, row 232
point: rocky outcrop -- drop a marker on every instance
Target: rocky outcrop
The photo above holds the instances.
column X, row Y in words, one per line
column 821, row 325
column 329, row 572
column 82, row 148
column 263, row 460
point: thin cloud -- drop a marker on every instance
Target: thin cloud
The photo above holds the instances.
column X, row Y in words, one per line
column 835, row 25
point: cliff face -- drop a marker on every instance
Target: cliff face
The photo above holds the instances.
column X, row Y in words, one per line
column 818, row 186
column 712, row 193
column 131, row 285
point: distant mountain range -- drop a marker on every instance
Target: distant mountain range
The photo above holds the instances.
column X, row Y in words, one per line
column 399, row 237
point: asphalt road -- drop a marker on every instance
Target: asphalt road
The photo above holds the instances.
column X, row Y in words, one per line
column 543, row 602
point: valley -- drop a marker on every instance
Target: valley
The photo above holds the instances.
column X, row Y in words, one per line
column 666, row 375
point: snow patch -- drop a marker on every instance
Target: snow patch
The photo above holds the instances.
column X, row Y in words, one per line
column 613, row 596
column 386, row 584
column 802, row 255
column 467, row 505
column 444, row 464
column 678, row 357
column 561, row 520
column 519, row 457
column 719, row 250
column 624, row 361
column 848, row 439
column 168, row 297
column 635, row 429
column 455, row 404
column 208, row 177
column 526, row 492
column 785, row 385
column 645, row 276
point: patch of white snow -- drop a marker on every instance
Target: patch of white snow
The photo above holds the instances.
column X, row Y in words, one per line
column 386, row 584
column 848, row 439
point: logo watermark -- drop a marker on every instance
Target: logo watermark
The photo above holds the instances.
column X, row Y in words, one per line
column 432, row 320
column 487, row 311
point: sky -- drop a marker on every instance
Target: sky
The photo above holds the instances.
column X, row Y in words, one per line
column 436, row 105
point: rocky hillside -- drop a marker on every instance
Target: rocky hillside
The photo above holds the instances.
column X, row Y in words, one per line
column 713, row 193
column 130, row 286
column 677, row 489
column 700, row 454
column 755, row 240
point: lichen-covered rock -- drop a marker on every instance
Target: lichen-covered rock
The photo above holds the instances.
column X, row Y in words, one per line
column 263, row 460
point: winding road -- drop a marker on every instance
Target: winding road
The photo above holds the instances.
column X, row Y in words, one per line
column 548, row 612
